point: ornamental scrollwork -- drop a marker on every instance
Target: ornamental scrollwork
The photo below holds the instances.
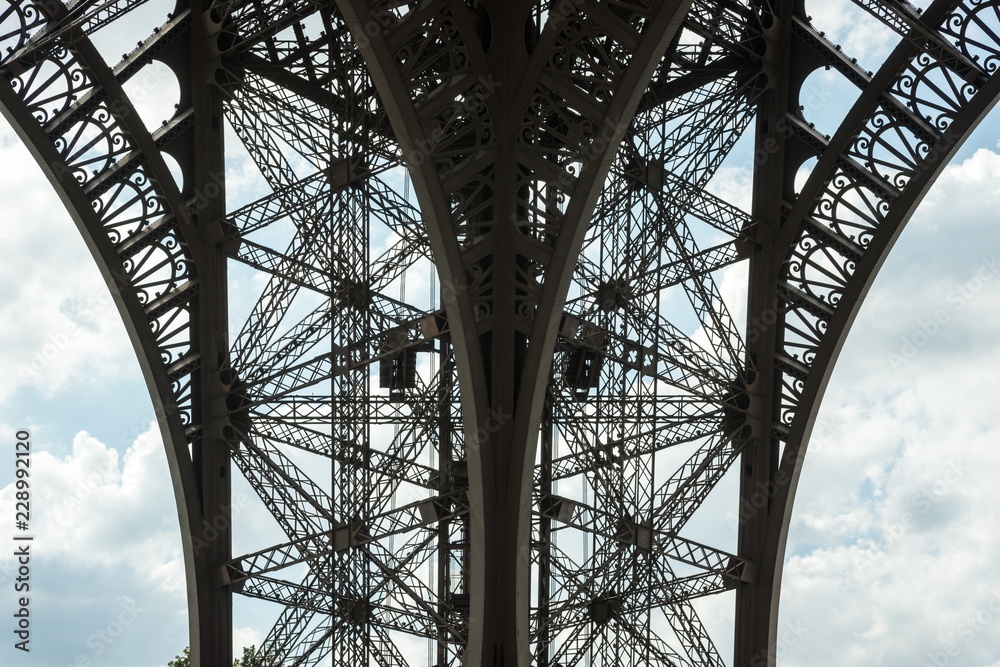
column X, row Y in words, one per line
column 891, row 147
column 975, row 28
column 87, row 129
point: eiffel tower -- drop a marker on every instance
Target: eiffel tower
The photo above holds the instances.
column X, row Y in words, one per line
column 490, row 374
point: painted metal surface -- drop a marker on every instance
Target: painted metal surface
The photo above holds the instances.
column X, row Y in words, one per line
column 499, row 465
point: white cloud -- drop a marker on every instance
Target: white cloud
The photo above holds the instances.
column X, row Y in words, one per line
column 95, row 508
column 734, row 185
column 888, row 559
column 53, row 333
column 106, row 570
column 861, row 35
column 894, row 531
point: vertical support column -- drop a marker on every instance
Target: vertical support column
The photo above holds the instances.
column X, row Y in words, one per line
column 212, row 646
column 756, row 601
column 354, row 491
column 504, row 432
column 443, row 463
column 545, row 533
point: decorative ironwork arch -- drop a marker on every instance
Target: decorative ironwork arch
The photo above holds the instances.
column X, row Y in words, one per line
column 559, row 154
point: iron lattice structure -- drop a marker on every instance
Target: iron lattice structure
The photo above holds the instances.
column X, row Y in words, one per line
column 500, row 467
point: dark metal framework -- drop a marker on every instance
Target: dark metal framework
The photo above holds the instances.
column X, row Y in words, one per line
column 503, row 465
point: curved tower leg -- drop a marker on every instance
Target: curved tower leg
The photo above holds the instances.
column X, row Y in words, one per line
column 501, row 468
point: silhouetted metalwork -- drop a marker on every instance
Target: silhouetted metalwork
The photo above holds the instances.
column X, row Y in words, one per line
column 500, row 458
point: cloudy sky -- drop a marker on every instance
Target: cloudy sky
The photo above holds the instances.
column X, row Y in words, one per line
column 892, row 557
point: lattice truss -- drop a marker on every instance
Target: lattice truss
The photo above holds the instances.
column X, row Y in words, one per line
column 345, row 401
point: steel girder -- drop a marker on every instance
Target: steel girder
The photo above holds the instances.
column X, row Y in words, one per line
column 503, row 467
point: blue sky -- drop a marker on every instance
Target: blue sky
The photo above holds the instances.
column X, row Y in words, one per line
column 891, row 557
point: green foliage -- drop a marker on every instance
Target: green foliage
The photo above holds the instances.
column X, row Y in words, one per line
column 183, row 660
column 249, row 659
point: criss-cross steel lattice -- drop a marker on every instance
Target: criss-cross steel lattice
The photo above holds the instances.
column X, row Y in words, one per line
column 489, row 376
